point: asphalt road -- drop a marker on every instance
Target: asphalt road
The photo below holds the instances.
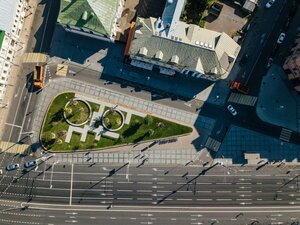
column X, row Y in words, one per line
column 25, row 96
column 93, row 184
column 117, row 215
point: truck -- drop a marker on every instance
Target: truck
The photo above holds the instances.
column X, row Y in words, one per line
column 38, row 75
column 234, row 85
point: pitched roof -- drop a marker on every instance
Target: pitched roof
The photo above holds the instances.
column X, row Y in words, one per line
column 197, row 49
column 94, row 15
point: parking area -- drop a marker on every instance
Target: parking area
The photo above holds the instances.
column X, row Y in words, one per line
column 230, row 20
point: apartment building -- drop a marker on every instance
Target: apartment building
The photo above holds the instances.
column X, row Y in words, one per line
column 12, row 13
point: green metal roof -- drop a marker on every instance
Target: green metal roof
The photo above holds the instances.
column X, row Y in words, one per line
column 2, row 34
column 94, row 15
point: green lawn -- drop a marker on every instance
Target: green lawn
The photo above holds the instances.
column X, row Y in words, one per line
column 77, row 113
column 113, row 120
column 139, row 129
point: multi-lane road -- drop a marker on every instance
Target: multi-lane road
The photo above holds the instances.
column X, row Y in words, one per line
column 93, row 184
column 62, row 194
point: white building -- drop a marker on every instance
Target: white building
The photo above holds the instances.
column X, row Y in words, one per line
column 12, row 13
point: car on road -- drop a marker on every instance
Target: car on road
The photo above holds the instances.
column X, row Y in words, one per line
column 232, row 110
column 244, row 59
column 30, row 164
column 281, row 38
column 1, row 171
column 270, row 3
column 12, row 166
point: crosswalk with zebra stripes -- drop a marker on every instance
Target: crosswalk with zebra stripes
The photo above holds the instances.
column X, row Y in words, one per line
column 242, row 99
column 285, row 134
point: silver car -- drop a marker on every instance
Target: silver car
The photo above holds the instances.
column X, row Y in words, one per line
column 270, row 3
column 232, row 110
column 12, row 166
column 30, row 164
column 281, row 38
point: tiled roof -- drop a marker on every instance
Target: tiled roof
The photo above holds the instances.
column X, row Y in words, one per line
column 94, row 15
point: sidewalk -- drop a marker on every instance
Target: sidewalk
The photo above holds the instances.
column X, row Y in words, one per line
column 16, row 70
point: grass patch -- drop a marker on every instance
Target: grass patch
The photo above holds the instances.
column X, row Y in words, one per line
column 77, row 112
column 139, row 129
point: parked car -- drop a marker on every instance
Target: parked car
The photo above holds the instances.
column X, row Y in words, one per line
column 281, row 38
column 244, row 59
column 1, row 171
column 270, row 62
column 12, row 166
column 270, row 3
column 232, row 110
column 30, row 164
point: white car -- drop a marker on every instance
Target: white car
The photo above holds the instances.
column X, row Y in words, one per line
column 232, row 110
column 281, row 38
column 270, row 3
column 30, row 164
column 12, row 166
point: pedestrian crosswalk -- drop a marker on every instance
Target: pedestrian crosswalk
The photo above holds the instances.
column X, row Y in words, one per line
column 285, row 135
column 212, row 144
column 13, row 147
column 242, row 99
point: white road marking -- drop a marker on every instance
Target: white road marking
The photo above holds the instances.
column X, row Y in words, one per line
column 17, row 109
column 124, row 198
column 71, row 185
column 13, row 125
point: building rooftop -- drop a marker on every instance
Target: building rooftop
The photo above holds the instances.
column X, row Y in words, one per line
column 2, row 34
column 194, row 48
column 8, row 10
column 95, row 15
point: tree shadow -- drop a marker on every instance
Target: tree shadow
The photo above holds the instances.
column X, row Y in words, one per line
column 131, row 130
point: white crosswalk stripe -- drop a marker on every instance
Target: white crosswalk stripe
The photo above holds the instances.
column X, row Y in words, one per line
column 285, row 135
column 242, row 99
column 213, row 144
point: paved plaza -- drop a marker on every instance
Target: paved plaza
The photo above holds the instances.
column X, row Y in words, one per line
column 56, row 86
column 239, row 141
